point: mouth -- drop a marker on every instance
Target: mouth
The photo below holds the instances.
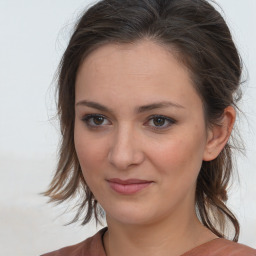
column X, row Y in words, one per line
column 128, row 187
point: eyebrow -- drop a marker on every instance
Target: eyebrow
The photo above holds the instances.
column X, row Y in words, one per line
column 140, row 109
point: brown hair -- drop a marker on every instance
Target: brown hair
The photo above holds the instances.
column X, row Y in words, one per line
column 203, row 43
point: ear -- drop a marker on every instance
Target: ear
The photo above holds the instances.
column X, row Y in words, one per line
column 219, row 134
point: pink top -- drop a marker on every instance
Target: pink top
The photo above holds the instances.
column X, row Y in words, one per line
column 93, row 246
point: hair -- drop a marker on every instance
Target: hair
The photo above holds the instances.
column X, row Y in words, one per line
column 202, row 41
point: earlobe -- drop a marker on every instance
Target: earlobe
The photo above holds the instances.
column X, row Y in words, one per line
column 219, row 134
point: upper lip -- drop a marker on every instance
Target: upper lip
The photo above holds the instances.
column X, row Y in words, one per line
column 128, row 181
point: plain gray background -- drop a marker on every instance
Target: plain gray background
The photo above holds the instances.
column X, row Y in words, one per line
column 33, row 35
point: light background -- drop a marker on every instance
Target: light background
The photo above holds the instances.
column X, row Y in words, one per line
column 33, row 35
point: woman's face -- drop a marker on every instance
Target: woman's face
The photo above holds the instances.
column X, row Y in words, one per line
column 140, row 134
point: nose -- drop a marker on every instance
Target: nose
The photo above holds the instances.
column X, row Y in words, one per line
column 125, row 150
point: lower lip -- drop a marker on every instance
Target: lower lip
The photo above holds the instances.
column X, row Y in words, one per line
column 128, row 189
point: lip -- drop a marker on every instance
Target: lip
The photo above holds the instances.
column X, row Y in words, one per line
column 128, row 187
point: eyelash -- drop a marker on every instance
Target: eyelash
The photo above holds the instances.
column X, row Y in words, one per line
column 167, row 122
column 86, row 119
column 91, row 118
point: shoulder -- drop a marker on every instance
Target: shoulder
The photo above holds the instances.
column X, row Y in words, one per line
column 222, row 247
column 239, row 249
column 92, row 246
column 231, row 248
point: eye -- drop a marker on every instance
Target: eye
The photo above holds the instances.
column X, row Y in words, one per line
column 95, row 120
column 160, row 122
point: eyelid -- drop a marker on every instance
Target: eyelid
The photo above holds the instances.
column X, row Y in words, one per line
column 166, row 118
column 86, row 119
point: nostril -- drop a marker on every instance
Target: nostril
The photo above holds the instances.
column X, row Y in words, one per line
column 124, row 157
column 121, row 159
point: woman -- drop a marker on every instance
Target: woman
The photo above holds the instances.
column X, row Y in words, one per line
column 147, row 102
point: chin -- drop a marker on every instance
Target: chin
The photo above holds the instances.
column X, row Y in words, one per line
column 131, row 215
column 129, row 220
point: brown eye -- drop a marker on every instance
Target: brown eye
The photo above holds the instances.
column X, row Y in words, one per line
column 159, row 121
column 95, row 120
column 98, row 120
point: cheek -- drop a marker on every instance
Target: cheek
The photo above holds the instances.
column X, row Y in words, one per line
column 89, row 156
column 90, row 151
column 91, row 159
column 86, row 151
column 180, row 155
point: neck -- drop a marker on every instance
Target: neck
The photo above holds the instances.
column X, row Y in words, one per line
column 165, row 237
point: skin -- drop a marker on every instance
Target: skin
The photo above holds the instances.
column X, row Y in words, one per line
column 126, row 142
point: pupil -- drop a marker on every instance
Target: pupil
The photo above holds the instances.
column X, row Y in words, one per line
column 98, row 120
column 159, row 121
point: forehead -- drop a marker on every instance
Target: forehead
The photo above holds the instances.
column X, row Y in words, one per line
column 141, row 57
column 144, row 71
